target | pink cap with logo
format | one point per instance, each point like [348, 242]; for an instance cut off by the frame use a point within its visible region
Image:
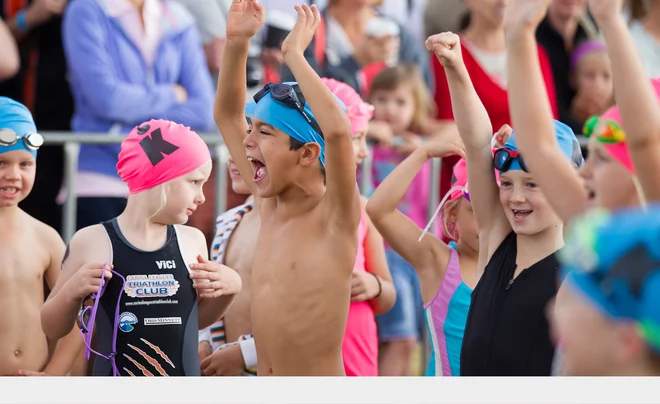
[159, 151]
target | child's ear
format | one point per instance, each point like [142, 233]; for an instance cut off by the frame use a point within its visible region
[309, 153]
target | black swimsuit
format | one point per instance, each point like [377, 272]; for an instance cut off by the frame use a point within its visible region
[157, 317]
[507, 331]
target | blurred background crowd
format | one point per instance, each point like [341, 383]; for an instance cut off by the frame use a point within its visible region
[104, 66]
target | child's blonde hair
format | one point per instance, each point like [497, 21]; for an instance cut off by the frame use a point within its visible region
[407, 74]
[158, 195]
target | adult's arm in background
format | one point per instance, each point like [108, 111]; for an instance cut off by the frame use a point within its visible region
[197, 110]
[211, 18]
[92, 69]
[10, 61]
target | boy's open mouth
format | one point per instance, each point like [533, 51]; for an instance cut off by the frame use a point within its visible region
[259, 169]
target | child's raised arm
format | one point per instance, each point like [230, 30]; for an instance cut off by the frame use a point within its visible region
[531, 114]
[476, 131]
[244, 20]
[634, 94]
[429, 256]
[341, 184]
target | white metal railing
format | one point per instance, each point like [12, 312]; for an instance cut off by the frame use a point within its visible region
[71, 143]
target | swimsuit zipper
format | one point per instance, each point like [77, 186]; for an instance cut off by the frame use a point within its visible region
[497, 323]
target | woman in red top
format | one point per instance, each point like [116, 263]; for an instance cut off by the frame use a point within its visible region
[484, 54]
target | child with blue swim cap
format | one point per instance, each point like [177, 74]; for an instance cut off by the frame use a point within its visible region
[299, 135]
[31, 252]
[506, 333]
[621, 171]
[608, 320]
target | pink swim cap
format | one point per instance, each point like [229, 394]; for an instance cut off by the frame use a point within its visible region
[358, 111]
[459, 178]
[619, 149]
[159, 151]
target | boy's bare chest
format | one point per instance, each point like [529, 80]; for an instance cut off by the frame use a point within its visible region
[23, 262]
[301, 251]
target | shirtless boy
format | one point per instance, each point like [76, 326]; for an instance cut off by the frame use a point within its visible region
[29, 251]
[301, 276]
[227, 347]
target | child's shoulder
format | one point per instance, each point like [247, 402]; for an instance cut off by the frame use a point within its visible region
[191, 233]
[89, 235]
[44, 233]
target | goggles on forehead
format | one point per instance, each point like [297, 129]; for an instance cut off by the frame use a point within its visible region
[32, 141]
[605, 130]
[290, 97]
[87, 318]
[448, 195]
[503, 158]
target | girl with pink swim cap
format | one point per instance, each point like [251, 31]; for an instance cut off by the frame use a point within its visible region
[142, 280]
[372, 291]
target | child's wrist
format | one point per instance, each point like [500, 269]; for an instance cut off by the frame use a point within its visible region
[292, 55]
[615, 21]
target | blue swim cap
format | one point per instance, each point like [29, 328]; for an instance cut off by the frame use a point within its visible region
[568, 144]
[288, 120]
[16, 117]
[614, 260]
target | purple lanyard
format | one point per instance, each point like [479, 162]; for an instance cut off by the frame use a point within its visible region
[87, 327]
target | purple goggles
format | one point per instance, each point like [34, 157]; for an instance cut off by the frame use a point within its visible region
[87, 318]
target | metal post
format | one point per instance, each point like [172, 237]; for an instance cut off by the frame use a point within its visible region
[69, 210]
[365, 173]
[221, 158]
[434, 188]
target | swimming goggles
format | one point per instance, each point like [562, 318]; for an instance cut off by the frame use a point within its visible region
[87, 318]
[32, 141]
[448, 195]
[290, 97]
[503, 158]
[605, 130]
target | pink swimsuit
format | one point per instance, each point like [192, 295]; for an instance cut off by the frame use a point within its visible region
[360, 348]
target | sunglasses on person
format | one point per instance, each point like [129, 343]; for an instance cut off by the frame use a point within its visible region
[503, 158]
[87, 319]
[290, 97]
[605, 130]
[32, 141]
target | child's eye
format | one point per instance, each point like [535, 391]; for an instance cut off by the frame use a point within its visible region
[26, 164]
[263, 132]
[531, 185]
[505, 184]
